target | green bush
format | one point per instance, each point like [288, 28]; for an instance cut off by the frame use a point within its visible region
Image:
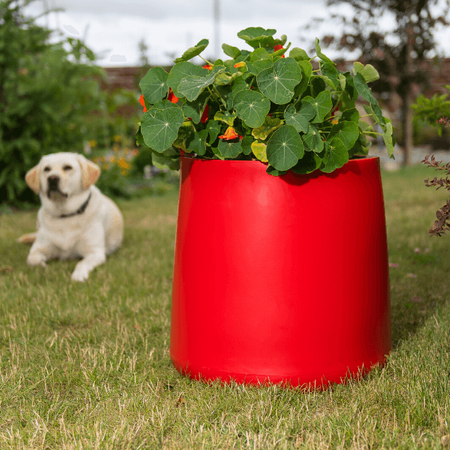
[51, 100]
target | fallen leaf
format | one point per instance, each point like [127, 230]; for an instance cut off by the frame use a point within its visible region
[416, 299]
[180, 401]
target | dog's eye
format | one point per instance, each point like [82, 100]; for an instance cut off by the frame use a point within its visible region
[47, 169]
[67, 168]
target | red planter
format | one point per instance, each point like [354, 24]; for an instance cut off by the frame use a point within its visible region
[280, 279]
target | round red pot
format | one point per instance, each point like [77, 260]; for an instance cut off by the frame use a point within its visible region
[280, 279]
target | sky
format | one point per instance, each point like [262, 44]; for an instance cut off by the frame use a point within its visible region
[113, 29]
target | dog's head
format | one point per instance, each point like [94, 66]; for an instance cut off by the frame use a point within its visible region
[60, 175]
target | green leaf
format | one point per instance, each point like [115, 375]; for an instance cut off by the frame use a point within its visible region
[259, 150]
[225, 117]
[185, 133]
[259, 65]
[167, 160]
[160, 129]
[257, 36]
[213, 128]
[306, 68]
[181, 71]
[198, 143]
[230, 149]
[388, 139]
[274, 172]
[350, 115]
[191, 87]
[270, 125]
[238, 86]
[299, 54]
[260, 54]
[375, 111]
[162, 105]
[231, 51]
[252, 107]
[368, 72]
[222, 79]
[336, 155]
[193, 51]
[278, 83]
[246, 144]
[347, 132]
[308, 164]
[363, 90]
[330, 71]
[321, 55]
[195, 109]
[154, 85]
[313, 141]
[285, 148]
[322, 105]
[300, 119]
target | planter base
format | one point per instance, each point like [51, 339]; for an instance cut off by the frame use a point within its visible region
[280, 279]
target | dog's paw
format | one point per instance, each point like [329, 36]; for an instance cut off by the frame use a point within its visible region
[36, 259]
[80, 274]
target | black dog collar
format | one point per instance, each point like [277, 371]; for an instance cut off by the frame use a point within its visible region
[80, 210]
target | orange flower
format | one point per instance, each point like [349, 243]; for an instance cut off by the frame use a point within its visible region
[230, 134]
[141, 101]
[172, 97]
[239, 65]
[208, 66]
[278, 47]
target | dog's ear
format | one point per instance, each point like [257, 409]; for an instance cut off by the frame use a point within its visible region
[89, 172]
[33, 178]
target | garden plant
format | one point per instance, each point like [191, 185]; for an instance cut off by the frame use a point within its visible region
[288, 110]
[435, 111]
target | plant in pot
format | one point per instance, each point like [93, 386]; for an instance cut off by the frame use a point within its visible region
[244, 107]
[280, 269]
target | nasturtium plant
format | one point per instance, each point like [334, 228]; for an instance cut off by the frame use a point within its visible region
[284, 108]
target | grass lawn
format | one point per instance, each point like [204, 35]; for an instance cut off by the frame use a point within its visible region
[87, 366]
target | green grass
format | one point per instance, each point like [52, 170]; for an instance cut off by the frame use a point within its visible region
[87, 366]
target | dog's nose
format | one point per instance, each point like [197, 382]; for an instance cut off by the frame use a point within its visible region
[53, 181]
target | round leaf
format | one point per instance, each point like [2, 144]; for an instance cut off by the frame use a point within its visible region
[193, 51]
[231, 51]
[183, 70]
[198, 143]
[268, 127]
[191, 87]
[230, 149]
[313, 141]
[285, 148]
[309, 163]
[154, 85]
[160, 129]
[251, 107]
[336, 155]
[278, 83]
[300, 119]
[322, 105]
[259, 150]
[347, 132]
